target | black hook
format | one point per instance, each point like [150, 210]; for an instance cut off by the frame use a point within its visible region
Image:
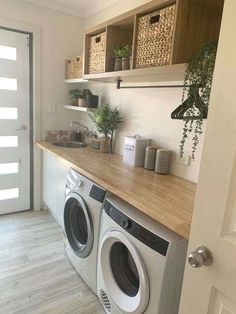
[194, 99]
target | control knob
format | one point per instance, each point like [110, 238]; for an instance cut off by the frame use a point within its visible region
[79, 183]
[126, 223]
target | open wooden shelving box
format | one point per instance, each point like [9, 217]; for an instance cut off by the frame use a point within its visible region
[197, 22]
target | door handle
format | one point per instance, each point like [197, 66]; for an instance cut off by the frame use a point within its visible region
[22, 128]
[202, 256]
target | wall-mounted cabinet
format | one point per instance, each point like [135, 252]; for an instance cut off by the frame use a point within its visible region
[163, 33]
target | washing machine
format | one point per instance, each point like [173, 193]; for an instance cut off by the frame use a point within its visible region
[140, 262]
[82, 213]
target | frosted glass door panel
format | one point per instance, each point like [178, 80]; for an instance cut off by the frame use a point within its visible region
[8, 53]
[8, 113]
[8, 83]
[9, 194]
[9, 168]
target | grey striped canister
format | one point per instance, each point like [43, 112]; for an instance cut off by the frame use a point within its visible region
[150, 157]
[162, 161]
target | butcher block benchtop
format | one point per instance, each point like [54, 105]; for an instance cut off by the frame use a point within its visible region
[166, 198]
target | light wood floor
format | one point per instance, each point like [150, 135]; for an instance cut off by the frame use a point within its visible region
[35, 275]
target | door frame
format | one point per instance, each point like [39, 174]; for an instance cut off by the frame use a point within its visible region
[35, 113]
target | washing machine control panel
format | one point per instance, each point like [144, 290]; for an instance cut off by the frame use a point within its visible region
[78, 183]
[144, 235]
[126, 223]
[97, 193]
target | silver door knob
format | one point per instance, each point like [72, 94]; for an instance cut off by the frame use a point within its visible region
[202, 256]
[22, 128]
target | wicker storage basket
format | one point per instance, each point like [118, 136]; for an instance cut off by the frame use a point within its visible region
[78, 67]
[69, 69]
[97, 50]
[154, 38]
[74, 67]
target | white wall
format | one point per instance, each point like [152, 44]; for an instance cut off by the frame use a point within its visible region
[146, 111]
[61, 37]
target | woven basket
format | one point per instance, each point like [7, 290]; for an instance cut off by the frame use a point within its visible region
[74, 67]
[78, 66]
[97, 50]
[154, 38]
[69, 69]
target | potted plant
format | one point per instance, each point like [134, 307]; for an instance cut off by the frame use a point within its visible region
[126, 57]
[122, 56]
[83, 98]
[107, 120]
[196, 93]
[74, 95]
[117, 56]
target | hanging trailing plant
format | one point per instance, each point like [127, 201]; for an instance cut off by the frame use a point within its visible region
[197, 89]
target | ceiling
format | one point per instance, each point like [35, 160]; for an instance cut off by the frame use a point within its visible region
[81, 8]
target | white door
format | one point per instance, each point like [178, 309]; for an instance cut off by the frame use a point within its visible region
[14, 122]
[212, 289]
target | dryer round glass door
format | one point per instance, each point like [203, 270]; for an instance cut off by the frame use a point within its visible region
[78, 225]
[124, 273]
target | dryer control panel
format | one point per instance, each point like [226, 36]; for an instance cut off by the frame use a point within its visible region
[150, 239]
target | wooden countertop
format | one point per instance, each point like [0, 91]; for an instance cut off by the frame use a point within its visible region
[166, 198]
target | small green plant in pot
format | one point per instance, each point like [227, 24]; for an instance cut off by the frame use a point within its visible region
[75, 94]
[117, 56]
[107, 120]
[79, 97]
[126, 57]
[122, 56]
[83, 99]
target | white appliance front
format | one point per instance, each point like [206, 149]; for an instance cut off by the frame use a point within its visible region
[140, 262]
[82, 213]
[124, 272]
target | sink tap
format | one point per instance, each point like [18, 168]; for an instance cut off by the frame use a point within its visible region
[85, 134]
[81, 125]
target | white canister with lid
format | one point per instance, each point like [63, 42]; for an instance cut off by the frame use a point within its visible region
[134, 151]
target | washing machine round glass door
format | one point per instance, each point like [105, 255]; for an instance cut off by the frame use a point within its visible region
[124, 273]
[78, 224]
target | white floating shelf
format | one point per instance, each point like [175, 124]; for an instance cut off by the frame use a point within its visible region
[163, 73]
[76, 80]
[83, 109]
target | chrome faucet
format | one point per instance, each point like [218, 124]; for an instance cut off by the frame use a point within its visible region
[81, 125]
[87, 134]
